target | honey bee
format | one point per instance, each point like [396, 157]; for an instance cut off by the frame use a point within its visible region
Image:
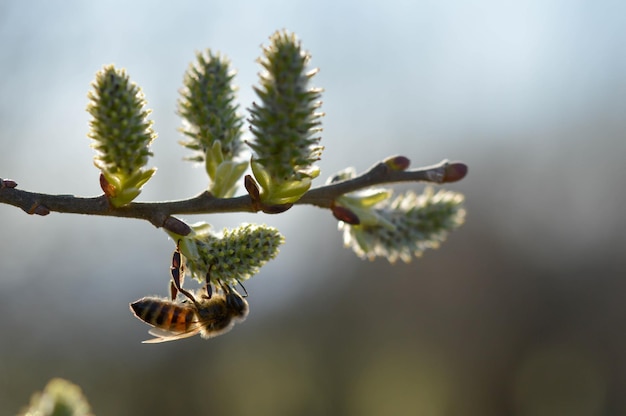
[212, 315]
[208, 316]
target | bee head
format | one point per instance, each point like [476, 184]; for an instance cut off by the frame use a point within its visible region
[236, 304]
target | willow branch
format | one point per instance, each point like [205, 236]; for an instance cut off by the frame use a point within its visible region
[159, 213]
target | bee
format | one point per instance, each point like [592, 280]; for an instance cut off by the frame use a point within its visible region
[208, 314]
[208, 317]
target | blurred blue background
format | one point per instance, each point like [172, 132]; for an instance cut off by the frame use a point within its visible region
[521, 312]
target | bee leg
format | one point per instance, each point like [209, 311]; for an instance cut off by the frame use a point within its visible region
[189, 295]
[209, 288]
[173, 290]
[178, 274]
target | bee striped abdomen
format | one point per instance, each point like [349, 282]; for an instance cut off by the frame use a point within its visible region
[164, 314]
[207, 316]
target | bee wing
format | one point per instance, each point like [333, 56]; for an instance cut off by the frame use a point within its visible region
[161, 335]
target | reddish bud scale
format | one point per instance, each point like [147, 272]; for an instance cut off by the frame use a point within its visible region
[107, 188]
[455, 172]
[176, 226]
[253, 191]
[275, 209]
[345, 215]
[39, 209]
[397, 162]
[7, 183]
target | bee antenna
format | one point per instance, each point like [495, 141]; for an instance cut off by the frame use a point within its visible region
[244, 289]
[209, 291]
[229, 289]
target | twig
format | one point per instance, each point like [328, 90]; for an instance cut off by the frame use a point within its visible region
[160, 213]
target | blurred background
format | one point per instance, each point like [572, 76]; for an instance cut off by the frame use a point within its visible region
[520, 312]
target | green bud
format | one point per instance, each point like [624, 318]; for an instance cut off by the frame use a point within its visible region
[286, 122]
[406, 226]
[208, 109]
[231, 256]
[121, 133]
[59, 398]
[211, 122]
[366, 198]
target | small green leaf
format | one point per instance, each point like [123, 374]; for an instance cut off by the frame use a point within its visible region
[261, 174]
[227, 175]
[367, 198]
